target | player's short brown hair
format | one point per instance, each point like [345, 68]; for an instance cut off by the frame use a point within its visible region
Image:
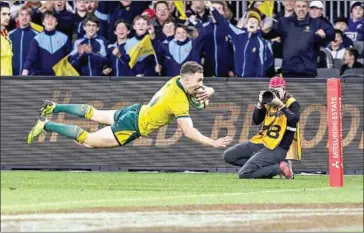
[191, 67]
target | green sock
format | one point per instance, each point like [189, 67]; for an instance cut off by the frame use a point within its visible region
[70, 131]
[81, 110]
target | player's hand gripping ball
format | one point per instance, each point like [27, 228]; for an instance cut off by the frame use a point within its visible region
[199, 105]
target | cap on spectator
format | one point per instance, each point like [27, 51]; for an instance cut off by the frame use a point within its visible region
[317, 4]
[341, 19]
[149, 12]
[277, 82]
[254, 14]
[356, 3]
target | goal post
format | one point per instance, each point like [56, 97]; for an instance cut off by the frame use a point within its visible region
[334, 122]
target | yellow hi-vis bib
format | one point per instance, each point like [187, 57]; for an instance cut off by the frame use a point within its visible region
[273, 129]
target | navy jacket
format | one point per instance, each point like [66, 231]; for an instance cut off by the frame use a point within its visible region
[217, 50]
[249, 49]
[78, 26]
[103, 12]
[36, 16]
[348, 43]
[172, 55]
[90, 64]
[118, 66]
[161, 38]
[300, 43]
[46, 50]
[355, 30]
[65, 22]
[21, 39]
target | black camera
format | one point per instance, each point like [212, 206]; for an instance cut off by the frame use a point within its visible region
[268, 96]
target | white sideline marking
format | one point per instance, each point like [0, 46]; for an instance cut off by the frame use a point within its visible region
[156, 198]
[114, 220]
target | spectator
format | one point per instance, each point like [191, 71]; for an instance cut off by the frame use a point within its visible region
[316, 12]
[356, 23]
[316, 9]
[79, 17]
[65, 18]
[6, 54]
[168, 31]
[173, 12]
[145, 65]
[89, 53]
[172, 9]
[341, 23]
[91, 6]
[162, 14]
[21, 39]
[217, 48]
[248, 44]
[14, 7]
[300, 55]
[37, 9]
[287, 11]
[118, 66]
[179, 51]
[199, 14]
[198, 8]
[351, 60]
[337, 48]
[47, 48]
[126, 10]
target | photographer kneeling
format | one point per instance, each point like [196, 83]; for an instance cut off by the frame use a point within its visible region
[264, 155]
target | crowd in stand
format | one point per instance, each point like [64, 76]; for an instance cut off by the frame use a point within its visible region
[97, 36]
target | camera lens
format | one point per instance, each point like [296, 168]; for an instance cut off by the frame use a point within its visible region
[267, 97]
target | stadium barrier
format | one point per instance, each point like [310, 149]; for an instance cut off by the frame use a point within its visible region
[229, 113]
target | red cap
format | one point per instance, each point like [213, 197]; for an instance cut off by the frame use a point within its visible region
[149, 12]
[277, 82]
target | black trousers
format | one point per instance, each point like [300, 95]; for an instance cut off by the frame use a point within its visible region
[256, 161]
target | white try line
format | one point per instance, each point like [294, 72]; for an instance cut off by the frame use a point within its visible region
[141, 199]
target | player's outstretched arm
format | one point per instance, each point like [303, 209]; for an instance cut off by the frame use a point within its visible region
[189, 131]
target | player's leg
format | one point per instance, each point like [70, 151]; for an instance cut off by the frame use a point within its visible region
[239, 154]
[103, 138]
[70, 131]
[105, 117]
[264, 164]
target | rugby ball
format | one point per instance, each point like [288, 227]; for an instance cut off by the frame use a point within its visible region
[199, 105]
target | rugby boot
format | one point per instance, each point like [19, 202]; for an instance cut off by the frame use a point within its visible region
[37, 130]
[47, 108]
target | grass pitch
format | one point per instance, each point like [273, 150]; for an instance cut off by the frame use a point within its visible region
[35, 192]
